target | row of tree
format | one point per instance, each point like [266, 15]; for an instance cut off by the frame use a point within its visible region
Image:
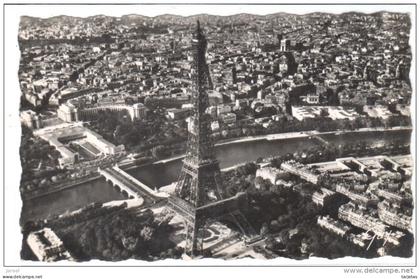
[121, 234]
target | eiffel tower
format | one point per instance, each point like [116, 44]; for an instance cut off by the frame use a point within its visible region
[199, 194]
[200, 181]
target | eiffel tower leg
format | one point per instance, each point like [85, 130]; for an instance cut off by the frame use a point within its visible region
[187, 237]
[195, 238]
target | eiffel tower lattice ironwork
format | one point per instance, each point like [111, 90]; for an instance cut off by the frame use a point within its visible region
[199, 194]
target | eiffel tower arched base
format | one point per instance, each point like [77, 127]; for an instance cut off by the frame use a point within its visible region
[196, 220]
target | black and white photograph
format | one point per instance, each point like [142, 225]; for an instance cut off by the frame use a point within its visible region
[233, 134]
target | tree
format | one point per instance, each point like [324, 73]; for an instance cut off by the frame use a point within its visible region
[274, 225]
[147, 233]
[264, 229]
[130, 242]
[158, 151]
[324, 113]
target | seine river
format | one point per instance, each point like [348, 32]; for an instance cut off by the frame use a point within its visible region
[158, 175]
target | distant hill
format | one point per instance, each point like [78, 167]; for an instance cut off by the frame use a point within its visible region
[167, 19]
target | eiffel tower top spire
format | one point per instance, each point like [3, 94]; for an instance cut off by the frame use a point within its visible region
[199, 32]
